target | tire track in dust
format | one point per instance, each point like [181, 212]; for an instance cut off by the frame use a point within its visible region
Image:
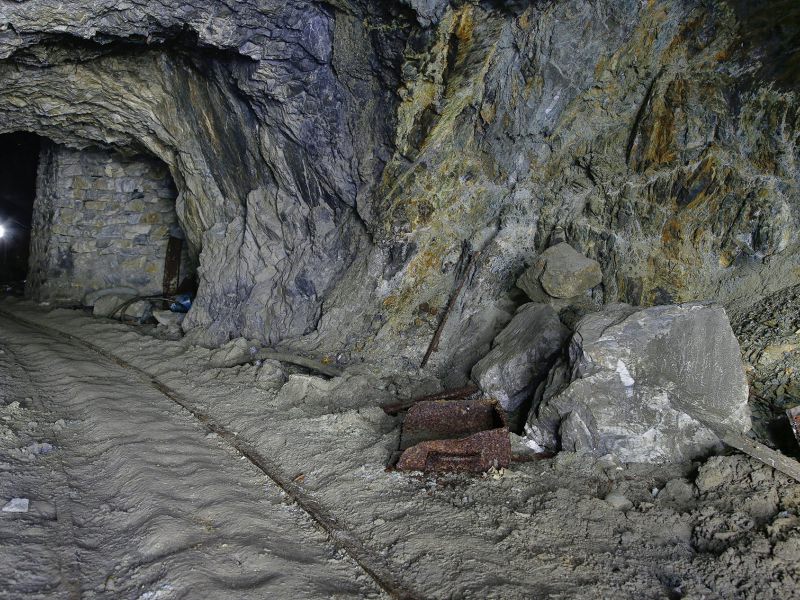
[371, 562]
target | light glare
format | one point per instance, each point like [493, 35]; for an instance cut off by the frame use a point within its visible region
[2, 232]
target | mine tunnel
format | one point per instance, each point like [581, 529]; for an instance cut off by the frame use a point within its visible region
[425, 299]
[78, 222]
[19, 160]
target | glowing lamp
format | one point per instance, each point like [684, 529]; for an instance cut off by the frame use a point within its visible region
[2, 232]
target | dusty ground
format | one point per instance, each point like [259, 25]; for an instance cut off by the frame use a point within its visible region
[136, 500]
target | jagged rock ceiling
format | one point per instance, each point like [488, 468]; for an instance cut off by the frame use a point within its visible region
[333, 158]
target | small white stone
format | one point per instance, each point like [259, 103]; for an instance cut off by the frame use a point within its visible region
[16, 505]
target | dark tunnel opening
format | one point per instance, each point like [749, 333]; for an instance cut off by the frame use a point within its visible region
[77, 222]
[19, 161]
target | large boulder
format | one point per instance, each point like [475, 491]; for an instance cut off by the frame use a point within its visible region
[652, 385]
[521, 355]
[560, 272]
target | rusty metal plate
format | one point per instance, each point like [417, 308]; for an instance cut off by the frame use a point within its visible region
[457, 394]
[448, 419]
[475, 454]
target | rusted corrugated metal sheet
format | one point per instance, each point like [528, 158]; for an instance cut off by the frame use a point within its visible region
[475, 454]
[448, 419]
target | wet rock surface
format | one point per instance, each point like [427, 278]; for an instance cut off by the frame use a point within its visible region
[645, 385]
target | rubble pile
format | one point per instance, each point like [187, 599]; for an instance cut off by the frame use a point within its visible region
[769, 333]
[655, 385]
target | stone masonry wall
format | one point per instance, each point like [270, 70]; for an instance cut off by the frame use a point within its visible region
[100, 220]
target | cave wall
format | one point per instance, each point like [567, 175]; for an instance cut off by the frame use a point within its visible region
[100, 220]
[274, 118]
[338, 162]
[662, 136]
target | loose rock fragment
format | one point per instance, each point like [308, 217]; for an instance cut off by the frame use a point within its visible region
[107, 304]
[619, 501]
[168, 318]
[115, 305]
[16, 505]
[560, 272]
[522, 355]
[91, 298]
[642, 385]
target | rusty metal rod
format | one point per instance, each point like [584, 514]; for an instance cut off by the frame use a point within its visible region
[459, 284]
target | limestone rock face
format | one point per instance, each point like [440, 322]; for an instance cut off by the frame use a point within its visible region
[562, 272]
[648, 385]
[522, 355]
[274, 118]
[338, 163]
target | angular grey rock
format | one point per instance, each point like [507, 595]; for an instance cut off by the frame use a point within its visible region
[521, 355]
[106, 305]
[561, 272]
[619, 501]
[645, 385]
[139, 310]
[16, 505]
[233, 352]
[271, 374]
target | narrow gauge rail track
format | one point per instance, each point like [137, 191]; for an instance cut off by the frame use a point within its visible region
[371, 562]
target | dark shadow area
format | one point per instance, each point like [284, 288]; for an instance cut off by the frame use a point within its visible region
[19, 159]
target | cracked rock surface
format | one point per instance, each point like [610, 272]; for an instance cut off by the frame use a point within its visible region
[333, 158]
[652, 385]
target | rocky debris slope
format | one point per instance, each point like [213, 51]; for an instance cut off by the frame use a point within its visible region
[645, 385]
[769, 333]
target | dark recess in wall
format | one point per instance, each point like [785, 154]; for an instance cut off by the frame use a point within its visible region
[19, 159]
[770, 34]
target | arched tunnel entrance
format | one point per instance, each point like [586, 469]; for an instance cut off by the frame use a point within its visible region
[19, 159]
[81, 221]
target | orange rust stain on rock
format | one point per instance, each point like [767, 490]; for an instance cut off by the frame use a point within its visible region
[672, 238]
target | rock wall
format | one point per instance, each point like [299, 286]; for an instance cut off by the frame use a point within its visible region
[339, 164]
[274, 117]
[100, 221]
[661, 136]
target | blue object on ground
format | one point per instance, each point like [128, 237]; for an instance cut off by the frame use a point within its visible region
[182, 303]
